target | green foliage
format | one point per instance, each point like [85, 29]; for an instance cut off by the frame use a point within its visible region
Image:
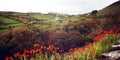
[7, 20]
[43, 17]
[4, 30]
[14, 25]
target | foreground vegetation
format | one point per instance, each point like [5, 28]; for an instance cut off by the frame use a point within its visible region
[89, 52]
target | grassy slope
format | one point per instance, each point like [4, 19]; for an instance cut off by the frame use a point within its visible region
[110, 10]
[7, 20]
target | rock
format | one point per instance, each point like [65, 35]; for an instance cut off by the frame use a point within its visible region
[105, 58]
[115, 45]
[114, 48]
[118, 42]
[113, 54]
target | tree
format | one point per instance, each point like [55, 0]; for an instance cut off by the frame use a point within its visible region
[93, 14]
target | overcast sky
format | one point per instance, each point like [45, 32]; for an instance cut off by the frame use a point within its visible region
[61, 6]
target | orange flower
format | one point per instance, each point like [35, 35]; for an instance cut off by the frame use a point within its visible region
[36, 45]
[57, 48]
[8, 58]
[38, 50]
[71, 49]
[24, 55]
[107, 41]
[31, 51]
[42, 47]
[26, 51]
[48, 48]
[111, 31]
[81, 50]
[93, 52]
[16, 54]
[89, 46]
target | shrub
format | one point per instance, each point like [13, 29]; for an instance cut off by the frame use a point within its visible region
[65, 40]
[20, 38]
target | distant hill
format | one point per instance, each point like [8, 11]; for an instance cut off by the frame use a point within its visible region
[113, 9]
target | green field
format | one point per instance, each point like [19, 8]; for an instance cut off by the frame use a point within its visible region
[6, 23]
[14, 25]
[7, 20]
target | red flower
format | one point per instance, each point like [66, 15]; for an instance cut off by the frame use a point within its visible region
[16, 55]
[42, 47]
[31, 51]
[38, 51]
[71, 49]
[26, 51]
[36, 45]
[24, 55]
[8, 58]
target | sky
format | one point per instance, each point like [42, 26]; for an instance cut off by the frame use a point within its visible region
[61, 6]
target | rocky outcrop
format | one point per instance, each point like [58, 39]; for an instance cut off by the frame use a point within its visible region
[113, 54]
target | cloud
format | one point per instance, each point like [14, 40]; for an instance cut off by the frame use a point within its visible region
[62, 6]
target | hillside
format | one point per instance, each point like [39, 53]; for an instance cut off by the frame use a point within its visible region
[10, 20]
[112, 9]
[57, 36]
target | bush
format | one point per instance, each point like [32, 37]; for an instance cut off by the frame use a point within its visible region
[20, 38]
[65, 40]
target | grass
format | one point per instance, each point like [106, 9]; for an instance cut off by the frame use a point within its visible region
[39, 17]
[4, 30]
[14, 25]
[36, 25]
[7, 20]
[43, 17]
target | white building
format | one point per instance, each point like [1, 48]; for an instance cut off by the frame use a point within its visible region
[58, 17]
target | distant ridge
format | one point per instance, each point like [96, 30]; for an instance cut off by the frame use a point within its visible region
[112, 9]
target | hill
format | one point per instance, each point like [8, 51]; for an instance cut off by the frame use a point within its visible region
[113, 9]
[42, 37]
